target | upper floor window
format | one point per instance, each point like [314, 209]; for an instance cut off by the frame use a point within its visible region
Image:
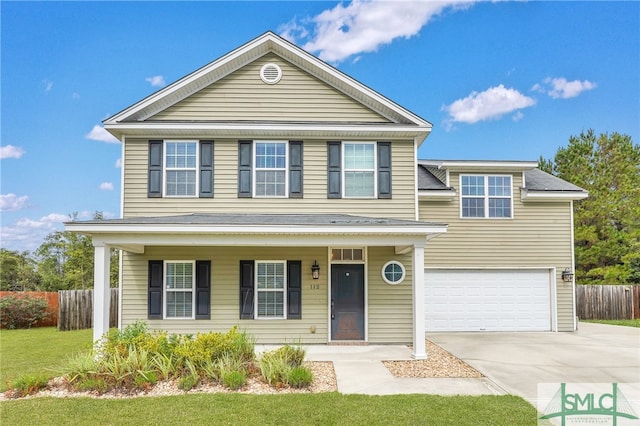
[359, 169]
[180, 168]
[271, 169]
[486, 196]
[180, 164]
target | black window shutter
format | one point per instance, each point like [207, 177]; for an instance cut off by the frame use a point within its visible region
[384, 169]
[294, 289]
[154, 188]
[154, 299]
[206, 169]
[245, 154]
[334, 170]
[246, 289]
[203, 289]
[295, 169]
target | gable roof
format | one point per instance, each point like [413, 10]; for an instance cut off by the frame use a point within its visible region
[132, 119]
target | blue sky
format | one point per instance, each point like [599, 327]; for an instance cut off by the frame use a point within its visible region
[504, 80]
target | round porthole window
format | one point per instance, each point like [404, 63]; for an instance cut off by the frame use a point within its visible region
[270, 73]
[393, 272]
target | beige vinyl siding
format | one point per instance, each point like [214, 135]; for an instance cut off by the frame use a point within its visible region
[243, 95]
[136, 202]
[538, 236]
[225, 273]
[390, 309]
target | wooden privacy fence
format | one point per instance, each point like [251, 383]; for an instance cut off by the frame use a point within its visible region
[75, 309]
[608, 302]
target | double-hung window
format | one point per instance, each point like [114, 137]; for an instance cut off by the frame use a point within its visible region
[180, 167]
[270, 169]
[486, 196]
[270, 289]
[359, 169]
[179, 288]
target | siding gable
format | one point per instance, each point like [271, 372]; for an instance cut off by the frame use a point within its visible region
[242, 95]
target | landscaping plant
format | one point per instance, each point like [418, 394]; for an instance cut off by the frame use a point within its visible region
[22, 310]
[136, 359]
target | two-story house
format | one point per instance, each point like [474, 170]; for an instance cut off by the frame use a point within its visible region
[269, 190]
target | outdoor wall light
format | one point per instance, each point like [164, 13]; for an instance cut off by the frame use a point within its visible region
[567, 275]
[315, 270]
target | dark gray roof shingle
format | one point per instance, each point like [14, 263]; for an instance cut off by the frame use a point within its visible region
[537, 180]
[262, 220]
[428, 180]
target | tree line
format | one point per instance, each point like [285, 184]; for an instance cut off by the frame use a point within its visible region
[64, 261]
[606, 224]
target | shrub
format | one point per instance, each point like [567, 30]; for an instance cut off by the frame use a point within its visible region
[97, 385]
[82, 367]
[22, 311]
[292, 355]
[274, 369]
[234, 379]
[28, 384]
[283, 366]
[299, 377]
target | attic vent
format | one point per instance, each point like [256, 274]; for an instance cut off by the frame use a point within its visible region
[270, 73]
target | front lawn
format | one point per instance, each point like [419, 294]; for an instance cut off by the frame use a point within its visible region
[47, 350]
[38, 350]
[625, 323]
[285, 409]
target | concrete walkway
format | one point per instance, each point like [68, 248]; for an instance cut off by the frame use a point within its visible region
[359, 370]
[513, 363]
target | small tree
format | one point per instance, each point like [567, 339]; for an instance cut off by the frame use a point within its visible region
[607, 224]
[17, 271]
[66, 260]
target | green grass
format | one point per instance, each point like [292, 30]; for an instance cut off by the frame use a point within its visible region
[37, 351]
[626, 323]
[286, 409]
[26, 352]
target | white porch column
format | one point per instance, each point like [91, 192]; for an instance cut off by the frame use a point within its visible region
[417, 266]
[101, 290]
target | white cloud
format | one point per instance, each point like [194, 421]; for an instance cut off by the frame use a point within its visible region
[98, 133]
[364, 25]
[156, 81]
[492, 103]
[28, 234]
[48, 85]
[10, 151]
[75, 95]
[106, 186]
[560, 88]
[118, 163]
[12, 203]
[517, 116]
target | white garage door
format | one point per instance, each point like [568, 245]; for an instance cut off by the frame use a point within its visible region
[487, 300]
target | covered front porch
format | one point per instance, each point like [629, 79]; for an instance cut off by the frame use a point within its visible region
[233, 252]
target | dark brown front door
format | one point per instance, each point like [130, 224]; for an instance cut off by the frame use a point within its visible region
[347, 302]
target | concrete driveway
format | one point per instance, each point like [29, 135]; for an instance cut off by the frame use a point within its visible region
[517, 362]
